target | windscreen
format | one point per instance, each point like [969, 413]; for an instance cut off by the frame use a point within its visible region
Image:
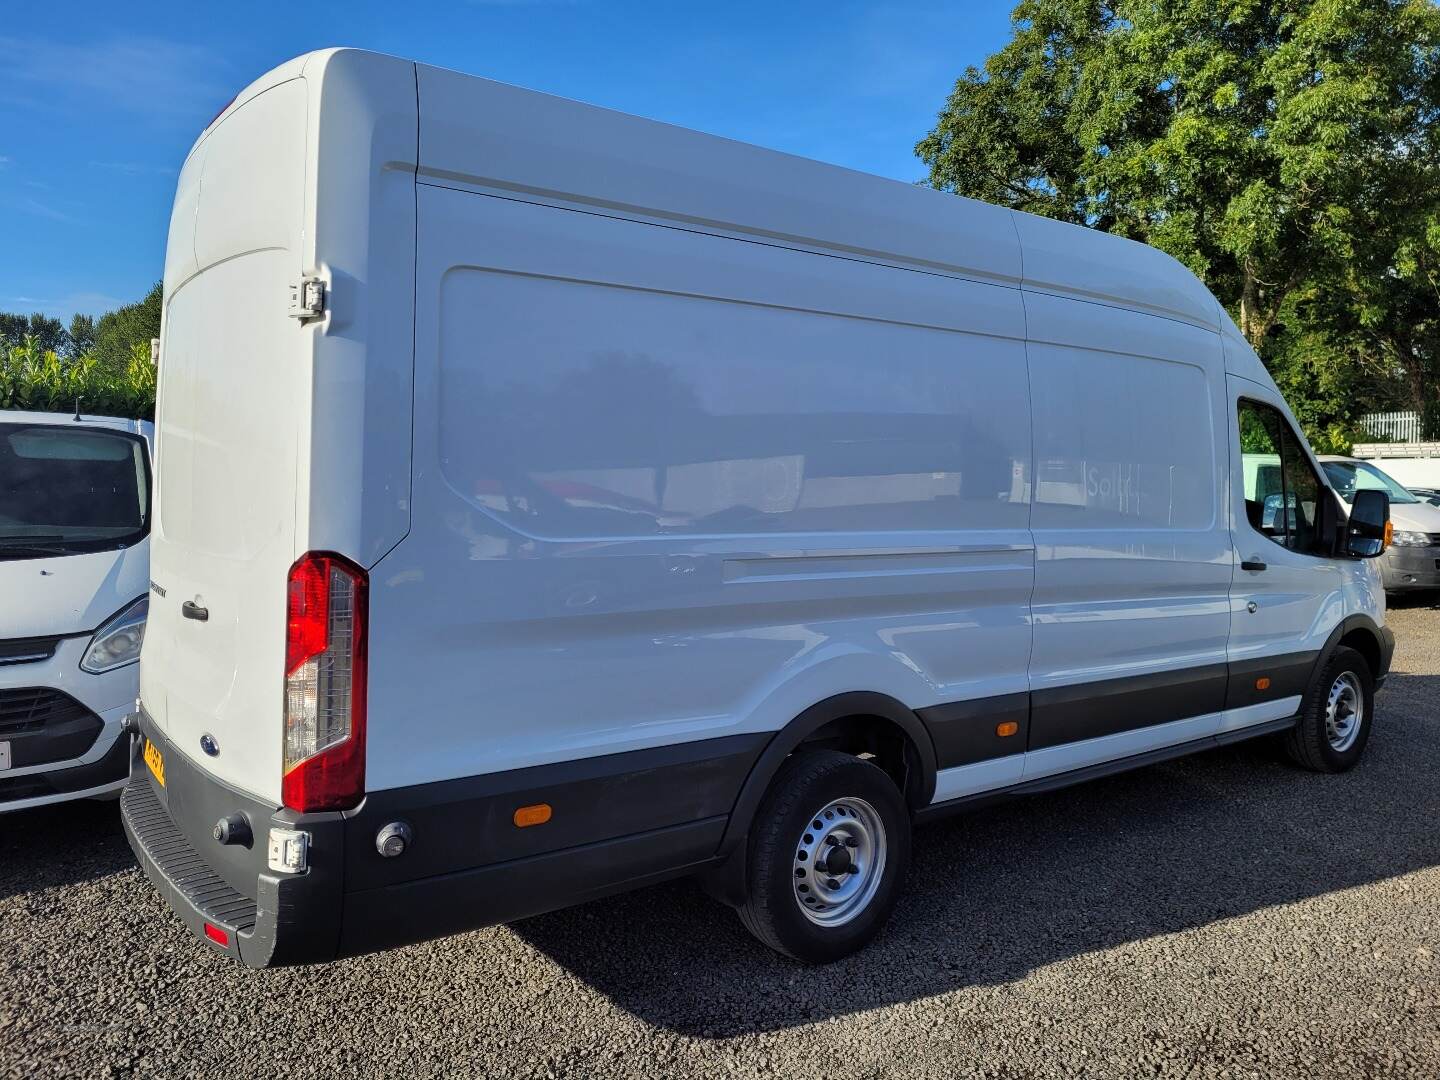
[68, 490]
[1348, 477]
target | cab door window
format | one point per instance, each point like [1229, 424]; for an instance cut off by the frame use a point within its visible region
[1282, 489]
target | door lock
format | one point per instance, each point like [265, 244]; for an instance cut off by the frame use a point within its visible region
[1252, 607]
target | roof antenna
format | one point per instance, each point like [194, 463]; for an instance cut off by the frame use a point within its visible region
[77, 410]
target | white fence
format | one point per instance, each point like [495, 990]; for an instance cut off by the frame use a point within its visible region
[1393, 426]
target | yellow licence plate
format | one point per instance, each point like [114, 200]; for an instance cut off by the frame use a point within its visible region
[155, 760]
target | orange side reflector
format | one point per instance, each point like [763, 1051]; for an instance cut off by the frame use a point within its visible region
[1009, 727]
[1262, 683]
[532, 815]
[1389, 532]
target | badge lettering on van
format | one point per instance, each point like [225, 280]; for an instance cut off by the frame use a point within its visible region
[156, 589]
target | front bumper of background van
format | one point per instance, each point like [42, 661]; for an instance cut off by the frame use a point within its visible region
[63, 727]
[1411, 568]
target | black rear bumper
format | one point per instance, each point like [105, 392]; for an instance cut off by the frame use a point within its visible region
[267, 918]
[470, 866]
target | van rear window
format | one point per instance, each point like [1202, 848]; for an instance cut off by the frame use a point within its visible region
[65, 490]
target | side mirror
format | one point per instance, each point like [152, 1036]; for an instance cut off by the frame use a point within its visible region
[1368, 531]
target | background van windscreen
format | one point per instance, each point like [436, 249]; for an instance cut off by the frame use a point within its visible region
[71, 489]
[1348, 477]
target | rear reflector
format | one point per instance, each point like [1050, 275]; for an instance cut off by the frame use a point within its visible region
[324, 750]
[215, 934]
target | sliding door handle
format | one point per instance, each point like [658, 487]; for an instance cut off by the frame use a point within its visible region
[1252, 564]
[192, 610]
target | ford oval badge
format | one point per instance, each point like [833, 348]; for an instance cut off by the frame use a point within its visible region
[209, 745]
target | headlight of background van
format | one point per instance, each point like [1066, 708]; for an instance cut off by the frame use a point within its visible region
[1410, 539]
[118, 641]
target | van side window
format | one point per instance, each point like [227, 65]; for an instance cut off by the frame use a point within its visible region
[1282, 490]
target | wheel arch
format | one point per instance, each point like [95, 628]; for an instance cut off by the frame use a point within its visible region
[841, 718]
[1365, 636]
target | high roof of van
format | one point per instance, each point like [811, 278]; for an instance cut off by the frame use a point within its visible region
[478, 134]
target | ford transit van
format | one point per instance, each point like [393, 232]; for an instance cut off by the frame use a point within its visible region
[553, 502]
[74, 561]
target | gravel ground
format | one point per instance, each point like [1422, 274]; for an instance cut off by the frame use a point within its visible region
[1224, 915]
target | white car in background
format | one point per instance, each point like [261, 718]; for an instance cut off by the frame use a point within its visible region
[74, 575]
[1413, 559]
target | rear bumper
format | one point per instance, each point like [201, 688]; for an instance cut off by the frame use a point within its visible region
[352, 901]
[269, 919]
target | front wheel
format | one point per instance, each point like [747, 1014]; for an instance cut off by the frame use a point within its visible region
[1335, 717]
[827, 856]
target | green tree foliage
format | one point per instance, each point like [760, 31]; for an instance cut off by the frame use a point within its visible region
[1287, 151]
[39, 379]
[117, 333]
[104, 363]
[48, 333]
[82, 336]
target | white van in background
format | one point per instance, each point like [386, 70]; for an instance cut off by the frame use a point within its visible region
[1412, 560]
[555, 501]
[74, 563]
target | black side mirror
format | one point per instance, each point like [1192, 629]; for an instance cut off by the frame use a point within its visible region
[1369, 527]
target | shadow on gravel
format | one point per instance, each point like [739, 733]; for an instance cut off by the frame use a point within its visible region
[993, 895]
[61, 845]
[1422, 600]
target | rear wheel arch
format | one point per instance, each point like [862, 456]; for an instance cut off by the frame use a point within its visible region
[856, 722]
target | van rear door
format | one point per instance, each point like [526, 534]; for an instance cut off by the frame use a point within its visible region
[234, 390]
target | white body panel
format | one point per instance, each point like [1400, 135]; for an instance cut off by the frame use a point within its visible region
[649, 437]
[71, 596]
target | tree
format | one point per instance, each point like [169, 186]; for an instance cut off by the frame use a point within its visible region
[1285, 151]
[47, 334]
[81, 336]
[119, 332]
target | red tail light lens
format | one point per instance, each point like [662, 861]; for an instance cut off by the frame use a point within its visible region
[324, 752]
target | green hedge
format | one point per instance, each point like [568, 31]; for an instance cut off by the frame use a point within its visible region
[38, 379]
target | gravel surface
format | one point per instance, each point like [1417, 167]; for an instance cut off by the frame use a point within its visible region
[1224, 915]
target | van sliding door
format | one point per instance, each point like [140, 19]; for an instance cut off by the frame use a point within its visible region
[1132, 549]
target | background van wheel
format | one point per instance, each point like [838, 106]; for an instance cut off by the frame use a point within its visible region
[1335, 716]
[828, 851]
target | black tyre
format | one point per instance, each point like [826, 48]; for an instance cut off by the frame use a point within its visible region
[828, 852]
[1335, 717]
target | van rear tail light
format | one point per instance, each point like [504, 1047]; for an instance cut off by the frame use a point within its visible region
[324, 754]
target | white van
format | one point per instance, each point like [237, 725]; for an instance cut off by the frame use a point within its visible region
[1413, 559]
[553, 501]
[74, 558]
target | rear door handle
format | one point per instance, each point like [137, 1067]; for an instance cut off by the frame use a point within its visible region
[192, 610]
[1252, 564]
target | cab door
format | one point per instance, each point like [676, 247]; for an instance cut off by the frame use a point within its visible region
[1287, 592]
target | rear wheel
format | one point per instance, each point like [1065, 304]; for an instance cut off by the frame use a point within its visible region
[827, 855]
[1335, 717]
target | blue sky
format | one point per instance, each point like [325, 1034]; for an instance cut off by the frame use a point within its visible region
[100, 101]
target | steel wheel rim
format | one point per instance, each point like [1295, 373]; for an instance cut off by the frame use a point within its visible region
[1344, 711]
[839, 861]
